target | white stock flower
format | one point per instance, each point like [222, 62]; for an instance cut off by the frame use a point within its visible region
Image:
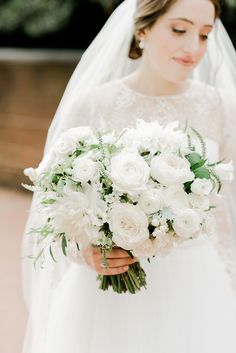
[201, 186]
[129, 225]
[151, 201]
[84, 169]
[146, 249]
[186, 223]
[129, 172]
[32, 174]
[169, 169]
[48, 161]
[225, 171]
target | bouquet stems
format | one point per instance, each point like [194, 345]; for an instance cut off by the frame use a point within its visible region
[131, 281]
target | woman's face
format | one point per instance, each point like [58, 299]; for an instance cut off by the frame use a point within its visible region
[177, 41]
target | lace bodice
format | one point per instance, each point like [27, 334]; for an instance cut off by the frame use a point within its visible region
[115, 105]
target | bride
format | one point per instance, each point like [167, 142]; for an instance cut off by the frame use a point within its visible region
[154, 59]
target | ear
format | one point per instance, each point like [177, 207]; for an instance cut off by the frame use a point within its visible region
[141, 34]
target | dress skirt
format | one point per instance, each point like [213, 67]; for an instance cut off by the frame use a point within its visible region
[188, 307]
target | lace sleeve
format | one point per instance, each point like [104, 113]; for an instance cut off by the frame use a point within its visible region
[225, 214]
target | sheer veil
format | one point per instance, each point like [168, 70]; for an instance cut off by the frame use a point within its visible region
[107, 59]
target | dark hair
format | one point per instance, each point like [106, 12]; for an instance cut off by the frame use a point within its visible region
[147, 13]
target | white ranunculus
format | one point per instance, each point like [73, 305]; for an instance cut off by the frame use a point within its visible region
[186, 223]
[176, 198]
[225, 171]
[129, 225]
[201, 186]
[199, 201]
[169, 169]
[151, 201]
[84, 169]
[129, 172]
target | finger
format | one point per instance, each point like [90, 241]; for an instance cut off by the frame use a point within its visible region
[118, 253]
[120, 262]
[113, 271]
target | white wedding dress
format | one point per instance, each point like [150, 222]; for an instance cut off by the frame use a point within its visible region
[189, 305]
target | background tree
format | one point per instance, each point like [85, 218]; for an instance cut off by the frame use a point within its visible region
[52, 23]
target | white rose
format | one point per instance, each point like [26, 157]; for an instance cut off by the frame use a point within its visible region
[151, 201]
[199, 201]
[84, 169]
[68, 141]
[186, 223]
[129, 225]
[129, 172]
[225, 171]
[169, 169]
[201, 186]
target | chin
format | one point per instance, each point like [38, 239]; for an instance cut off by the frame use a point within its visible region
[179, 78]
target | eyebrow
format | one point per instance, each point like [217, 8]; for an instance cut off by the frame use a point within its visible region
[188, 21]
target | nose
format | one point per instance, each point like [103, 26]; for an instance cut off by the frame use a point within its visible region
[192, 45]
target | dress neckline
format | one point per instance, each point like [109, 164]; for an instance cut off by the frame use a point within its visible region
[143, 95]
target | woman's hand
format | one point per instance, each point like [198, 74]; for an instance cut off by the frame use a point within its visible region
[118, 260]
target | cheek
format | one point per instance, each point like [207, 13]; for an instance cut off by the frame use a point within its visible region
[202, 51]
[163, 46]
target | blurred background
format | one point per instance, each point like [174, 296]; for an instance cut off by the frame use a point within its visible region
[41, 42]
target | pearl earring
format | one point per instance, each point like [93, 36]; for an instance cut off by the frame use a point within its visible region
[142, 44]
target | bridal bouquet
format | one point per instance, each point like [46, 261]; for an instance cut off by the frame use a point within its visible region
[144, 189]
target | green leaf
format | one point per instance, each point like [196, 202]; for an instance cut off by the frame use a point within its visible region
[48, 202]
[194, 158]
[64, 245]
[55, 178]
[51, 253]
[202, 173]
[198, 165]
[187, 187]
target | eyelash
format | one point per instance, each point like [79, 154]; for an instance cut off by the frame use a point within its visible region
[180, 31]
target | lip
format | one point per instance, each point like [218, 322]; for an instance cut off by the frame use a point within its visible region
[184, 62]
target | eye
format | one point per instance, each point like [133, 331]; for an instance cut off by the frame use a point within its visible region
[204, 37]
[179, 31]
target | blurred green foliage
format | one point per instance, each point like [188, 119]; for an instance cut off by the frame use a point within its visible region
[231, 3]
[38, 17]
